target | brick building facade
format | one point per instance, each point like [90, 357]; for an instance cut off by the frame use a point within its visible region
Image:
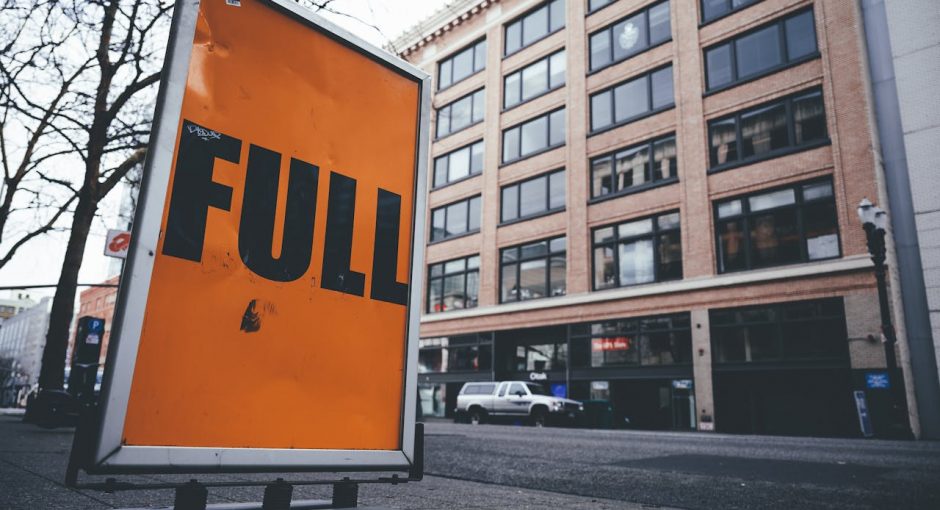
[661, 214]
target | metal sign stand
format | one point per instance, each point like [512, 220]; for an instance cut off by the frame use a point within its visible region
[193, 495]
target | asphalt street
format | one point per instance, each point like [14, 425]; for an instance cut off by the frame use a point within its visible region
[504, 466]
[692, 470]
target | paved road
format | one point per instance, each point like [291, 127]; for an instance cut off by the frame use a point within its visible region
[692, 470]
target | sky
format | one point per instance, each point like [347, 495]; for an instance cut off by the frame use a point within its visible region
[39, 262]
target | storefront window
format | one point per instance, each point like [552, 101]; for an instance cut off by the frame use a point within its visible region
[433, 399]
[462, 353]
[784, 331]
[663, 340]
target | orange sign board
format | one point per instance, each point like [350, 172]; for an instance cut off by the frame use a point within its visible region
[279, 308]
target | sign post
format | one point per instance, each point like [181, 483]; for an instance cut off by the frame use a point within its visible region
[269, 315]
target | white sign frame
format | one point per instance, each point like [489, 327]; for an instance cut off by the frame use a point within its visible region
[109, 454]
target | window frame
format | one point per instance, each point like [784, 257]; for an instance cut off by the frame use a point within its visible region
[435, 186]
[791, 147]
[472, 47]
[648, 77]
[589, 11]
[520, 19]
[465, 200]
[732, 10]
[550, 89]
[548, 126]
[645, 11]
[443, 276]
[517, 263]
[731, 43]
[437, 113]
[650, 144]
[798, 205]
[518, 185]
[616, 240]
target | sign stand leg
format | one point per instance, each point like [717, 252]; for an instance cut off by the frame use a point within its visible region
[277, 496]
[345, 495]
[191, 496]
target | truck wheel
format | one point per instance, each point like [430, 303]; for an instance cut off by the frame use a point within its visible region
[539, 418]
[476, 417]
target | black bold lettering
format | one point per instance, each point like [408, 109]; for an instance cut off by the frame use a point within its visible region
[337, 249]
[385, 286]
[194, 191]
[256, 231]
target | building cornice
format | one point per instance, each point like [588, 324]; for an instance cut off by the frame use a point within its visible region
[436, 25]
[852, 263]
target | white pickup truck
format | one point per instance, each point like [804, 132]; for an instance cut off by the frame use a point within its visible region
[479, 401]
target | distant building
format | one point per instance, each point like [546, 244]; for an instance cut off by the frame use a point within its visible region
[652, 203]
[97, 302]
[22, 339]
[14, 304]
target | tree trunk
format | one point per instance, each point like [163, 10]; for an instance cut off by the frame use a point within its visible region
[52, 375]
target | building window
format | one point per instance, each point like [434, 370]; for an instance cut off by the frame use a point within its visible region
[630, 36]
[798, 330]
[772, 228]
[534, 136]
[461, 353]
[648, 341]
[462, 113]
[636, 252]
[638, 167]
[794, 123]
[535, 79]
[535, 25]
[630, 100]
[714, 9]
[533, 270]
[455, 219]
[783, 43]
[533, 349]
[533, 197]
[454, 285]
[461, 65]
[594, 5]
[459, 164]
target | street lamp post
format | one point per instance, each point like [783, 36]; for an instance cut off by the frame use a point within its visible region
[874, 220]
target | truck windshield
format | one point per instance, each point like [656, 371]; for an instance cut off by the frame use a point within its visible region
[537, 389]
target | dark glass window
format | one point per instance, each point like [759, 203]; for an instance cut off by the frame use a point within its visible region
[632, 99]
[782, 226]
[533, 270]
[769, 48]
[458, 164]
[534, 79]
[768, 130]
[460, 114]
[648, 341]
[455, 219]
[638, 251]
[629, 36]
[534, 135]
[454, 284]
[533, 196]
[594, 5]
[535, 25]
[784, 331]
[460, 353]
[713, 9]
[461, 65]
[533, 349]
[635, 167]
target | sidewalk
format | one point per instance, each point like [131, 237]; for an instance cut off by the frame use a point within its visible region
[33, 461]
